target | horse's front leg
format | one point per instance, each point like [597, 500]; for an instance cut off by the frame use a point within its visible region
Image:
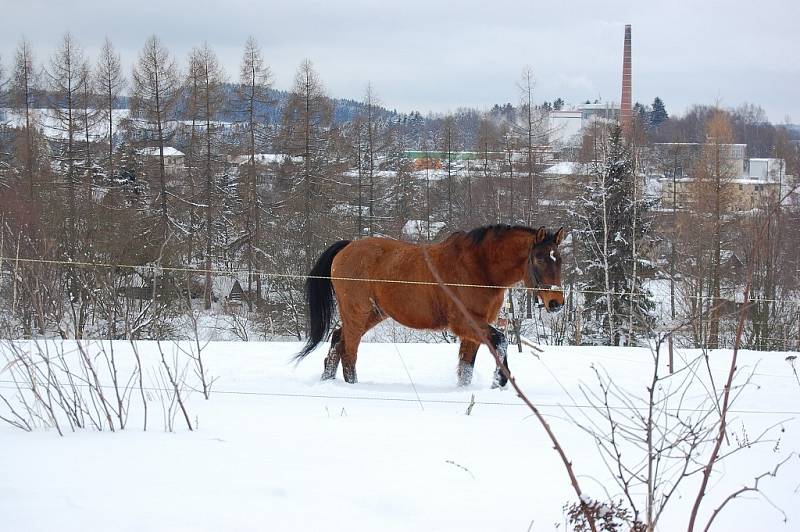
[466, 361]
[500, 344]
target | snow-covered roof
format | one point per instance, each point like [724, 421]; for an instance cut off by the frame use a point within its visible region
[566, 168]
[169, 151]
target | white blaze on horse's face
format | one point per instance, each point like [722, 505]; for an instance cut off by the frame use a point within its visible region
[545, 274]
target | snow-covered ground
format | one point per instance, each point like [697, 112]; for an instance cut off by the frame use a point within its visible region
[48, 123]
[275, 449]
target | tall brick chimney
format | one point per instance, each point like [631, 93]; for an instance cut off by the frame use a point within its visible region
[625, 108]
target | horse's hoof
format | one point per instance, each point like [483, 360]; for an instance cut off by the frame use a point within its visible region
[499, 383]
[350, 375]
[464, 374]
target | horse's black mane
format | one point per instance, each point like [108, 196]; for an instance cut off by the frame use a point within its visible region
[477, 235]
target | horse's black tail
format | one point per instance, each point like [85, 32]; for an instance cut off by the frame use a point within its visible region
[319, 296]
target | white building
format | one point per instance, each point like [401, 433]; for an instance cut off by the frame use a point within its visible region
[565, 126]
[174, 159]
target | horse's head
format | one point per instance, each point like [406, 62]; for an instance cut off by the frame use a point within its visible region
[544, 268]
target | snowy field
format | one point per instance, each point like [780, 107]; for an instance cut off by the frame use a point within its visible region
[275, 449]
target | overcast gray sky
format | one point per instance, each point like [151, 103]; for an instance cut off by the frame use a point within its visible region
[436, 55]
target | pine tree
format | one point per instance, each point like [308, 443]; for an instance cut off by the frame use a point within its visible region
[614, 230]
[659, 113]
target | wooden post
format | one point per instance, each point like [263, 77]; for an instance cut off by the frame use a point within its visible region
[16, 276]
[2, 245]
[671, 359]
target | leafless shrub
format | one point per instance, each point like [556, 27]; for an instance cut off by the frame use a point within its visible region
[68, 387]
[140, 382]
[173, 380]
[122, 390]
[652, 445]
[195, 354]
[609, 517]
[238, 325]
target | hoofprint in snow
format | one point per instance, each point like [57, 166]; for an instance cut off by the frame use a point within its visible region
[275, 449]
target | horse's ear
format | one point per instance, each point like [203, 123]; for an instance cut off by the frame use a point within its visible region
[559, 235]
[540, 234]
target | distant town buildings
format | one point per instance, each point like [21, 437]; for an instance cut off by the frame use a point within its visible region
[566, 125]
[746, 183]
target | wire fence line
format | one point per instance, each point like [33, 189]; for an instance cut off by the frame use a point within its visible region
[7, 385]
[298, 276]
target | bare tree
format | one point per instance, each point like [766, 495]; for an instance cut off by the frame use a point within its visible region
[307, 118]
[205, 67]
[156, 87]
[67, 78]
[109, 82]
[447, 138]
[22, 90]
[255, 81]
[88, 114]
[709, 218]
[528, 130]
[370, 103]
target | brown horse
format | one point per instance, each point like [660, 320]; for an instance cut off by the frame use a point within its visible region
[376, 278]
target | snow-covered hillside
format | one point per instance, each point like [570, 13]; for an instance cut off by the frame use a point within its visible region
[275, 449]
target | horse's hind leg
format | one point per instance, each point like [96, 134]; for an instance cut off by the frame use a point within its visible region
[466, 361]
[351, 336]
[500, 344]
[334, 355]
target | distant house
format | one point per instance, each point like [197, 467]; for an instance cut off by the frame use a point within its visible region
[237, 293]
[174, 159]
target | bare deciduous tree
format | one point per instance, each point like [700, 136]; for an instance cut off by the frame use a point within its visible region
[255, 81]
[22, 90]
[307, 118]
[156, 87]
[207, 84]
[109, 82]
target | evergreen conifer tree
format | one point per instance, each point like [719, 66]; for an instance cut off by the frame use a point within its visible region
[617, 307]
[659, 113]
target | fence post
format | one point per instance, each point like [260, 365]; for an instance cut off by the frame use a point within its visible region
[671, 359]
[16, 275]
